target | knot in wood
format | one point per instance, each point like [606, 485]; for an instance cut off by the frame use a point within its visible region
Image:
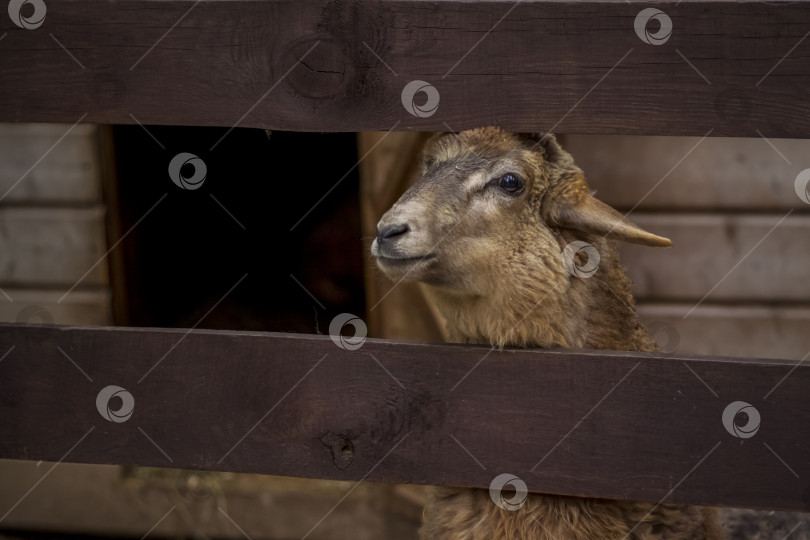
[340, 447]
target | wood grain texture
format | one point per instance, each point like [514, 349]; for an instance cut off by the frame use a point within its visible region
[607, 424]
[320, 65]
[52, 247]
[669, 173]
[729, 257]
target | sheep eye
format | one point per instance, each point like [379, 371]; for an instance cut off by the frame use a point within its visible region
[510, 182]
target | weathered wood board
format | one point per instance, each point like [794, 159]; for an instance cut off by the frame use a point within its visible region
[49, 163]
[729, 257]
[321, 65]
[53, 247]
[588, 423]
[687, 173]
[752, 330]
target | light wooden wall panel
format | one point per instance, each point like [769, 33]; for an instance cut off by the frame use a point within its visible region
[50, 163]
[99, 500]
[751, 330]
[52, 246]
[707, 247]
[52, 225]
[80, 307]
[687, 173]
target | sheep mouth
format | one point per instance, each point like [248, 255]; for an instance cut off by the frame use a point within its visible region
[404, 261]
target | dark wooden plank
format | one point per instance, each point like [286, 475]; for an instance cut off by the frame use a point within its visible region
[320, 65]
[607, 424]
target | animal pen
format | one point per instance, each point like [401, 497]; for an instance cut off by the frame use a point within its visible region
[345, 408]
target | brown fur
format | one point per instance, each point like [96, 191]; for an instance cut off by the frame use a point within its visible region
[469, 514]
[493, 265]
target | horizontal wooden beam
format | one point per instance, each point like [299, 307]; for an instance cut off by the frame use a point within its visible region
[706, 246]
[726, 68]
[718, 174]
[588, 423]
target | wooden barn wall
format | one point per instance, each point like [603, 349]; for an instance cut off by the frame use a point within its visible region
[52, 234]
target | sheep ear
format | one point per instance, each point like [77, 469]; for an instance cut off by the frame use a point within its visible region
[593, 216]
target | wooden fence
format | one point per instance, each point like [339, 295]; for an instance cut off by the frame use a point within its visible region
[638, 426]
[605, 424]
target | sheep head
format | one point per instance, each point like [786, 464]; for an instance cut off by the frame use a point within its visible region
[484, 197]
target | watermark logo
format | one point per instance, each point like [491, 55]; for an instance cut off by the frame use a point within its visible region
[429, 107]
[197, 486]
[180, 171]
[802, 185]
[516, 501]
[751, 426]
[642, 23]
[34, 312]
[32, 21]
[573, 255]
[665, 335]
[349, 343]
[103, 404]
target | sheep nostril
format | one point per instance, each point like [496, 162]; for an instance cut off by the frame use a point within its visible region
[388, 233]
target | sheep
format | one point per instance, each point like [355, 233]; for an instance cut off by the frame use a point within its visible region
[485, 229]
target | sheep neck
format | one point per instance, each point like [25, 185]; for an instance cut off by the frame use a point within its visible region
[549, 308]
